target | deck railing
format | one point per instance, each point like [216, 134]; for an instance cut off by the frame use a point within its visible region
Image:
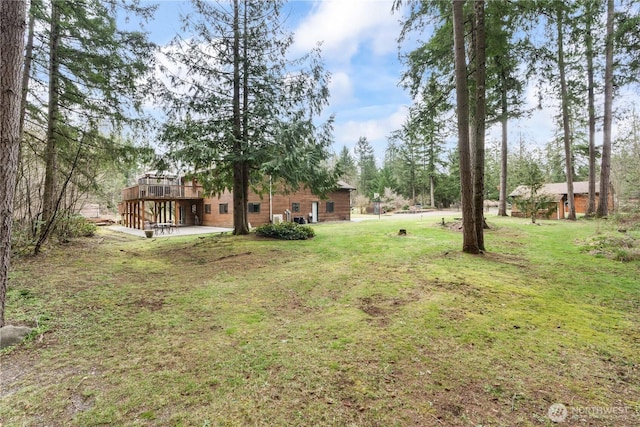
[156, 191]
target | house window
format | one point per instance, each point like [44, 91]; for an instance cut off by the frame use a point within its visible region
[254, 207]
[295, 207]
[330, 207]
[207, 209]
[223, 208]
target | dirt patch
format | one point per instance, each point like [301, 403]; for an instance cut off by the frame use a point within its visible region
[151, 304]
[453, 226]
[462, 287]
[455, 315]
[292, 301]
[12, 371]
[509, 259]
[231, 256]
[372, 310]
[380, 308]
[78, 403]
[221, 252]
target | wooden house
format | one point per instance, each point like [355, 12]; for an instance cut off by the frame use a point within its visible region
[557, 195]
[166, 199]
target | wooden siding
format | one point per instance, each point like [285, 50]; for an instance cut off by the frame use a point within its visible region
[280, 202]
[215, 218]
[580, 200]
[187, 206]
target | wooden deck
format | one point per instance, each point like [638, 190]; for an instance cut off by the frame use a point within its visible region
[162, 192]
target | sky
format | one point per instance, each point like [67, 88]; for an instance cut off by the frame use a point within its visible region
[360, 49]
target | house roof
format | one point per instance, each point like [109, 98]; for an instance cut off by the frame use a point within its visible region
[157, 174]
[556, 190]
[344, 186]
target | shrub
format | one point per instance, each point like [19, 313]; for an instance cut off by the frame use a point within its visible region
[286, 231]
[622, 248]
[623, 255]
[22, 237]
[73, 226]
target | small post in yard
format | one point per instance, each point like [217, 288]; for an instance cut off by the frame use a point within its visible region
[376, 197]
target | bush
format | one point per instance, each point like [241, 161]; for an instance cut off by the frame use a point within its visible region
[619, 247]
[286, 231]
[22, 237]
[73, 226]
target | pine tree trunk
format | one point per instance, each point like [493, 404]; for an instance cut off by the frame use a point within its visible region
[605, 168]
[480, 113]
[565, 113]
[12, 27]
[26, 73]
[432, 191]
[502, 205]
[239, 201]
[413, 188]
[469, 236]
[50, 193]
[245, 121]
[591, 203]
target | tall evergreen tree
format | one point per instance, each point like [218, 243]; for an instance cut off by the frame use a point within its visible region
[419, 144]
[479, 119]
[555, 66]
[367, 166]
[469, 236]
[591, 14]
[447, 191]
[433, 60]
[242, 109]
[393, 166]
[346, 165]
[505, 86]
[12, 30]
[560, 16]
[605, 168]
[408, 159]
[626, 42]
[92, 77]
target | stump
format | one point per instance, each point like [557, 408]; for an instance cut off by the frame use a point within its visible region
[402, 232]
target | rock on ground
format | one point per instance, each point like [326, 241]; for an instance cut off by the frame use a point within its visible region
[11, 335]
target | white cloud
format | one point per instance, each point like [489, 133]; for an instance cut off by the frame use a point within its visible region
[376, 123]
[535, 130]
[340, 88]
[343, 26]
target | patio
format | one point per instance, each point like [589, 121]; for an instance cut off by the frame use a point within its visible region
[175, 232]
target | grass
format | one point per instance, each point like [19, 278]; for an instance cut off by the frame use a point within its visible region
[358, 326]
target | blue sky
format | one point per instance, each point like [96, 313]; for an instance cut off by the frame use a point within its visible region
[360, 51]
[359, 45]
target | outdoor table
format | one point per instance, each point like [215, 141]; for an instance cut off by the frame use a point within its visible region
[161, 226]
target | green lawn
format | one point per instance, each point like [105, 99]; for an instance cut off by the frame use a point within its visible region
[358, 326]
